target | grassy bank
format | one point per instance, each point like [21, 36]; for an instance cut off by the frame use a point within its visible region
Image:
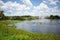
[11, 33]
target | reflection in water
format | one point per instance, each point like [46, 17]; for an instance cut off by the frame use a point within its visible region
[41, 26]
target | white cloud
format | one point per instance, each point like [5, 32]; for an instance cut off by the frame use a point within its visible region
[1, 3]
[14, 5]
[14, 8]
[40, 10]
[44, 10]
[27, 3]
[52, 2]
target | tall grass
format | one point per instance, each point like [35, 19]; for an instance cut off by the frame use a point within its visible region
[11, 33]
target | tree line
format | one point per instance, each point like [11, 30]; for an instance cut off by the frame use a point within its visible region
[53, 17]
[25, 17]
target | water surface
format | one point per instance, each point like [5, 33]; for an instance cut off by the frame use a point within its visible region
[40, 26]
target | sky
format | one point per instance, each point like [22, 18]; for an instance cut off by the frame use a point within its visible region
[30, 7]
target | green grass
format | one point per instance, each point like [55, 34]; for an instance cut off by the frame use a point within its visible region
[11, 33]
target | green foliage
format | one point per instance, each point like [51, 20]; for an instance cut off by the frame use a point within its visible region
[11, 33]
[25, 17]
[53, 17]
[1, 14]
[18, 17]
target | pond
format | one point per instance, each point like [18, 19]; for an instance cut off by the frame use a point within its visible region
[40, 26]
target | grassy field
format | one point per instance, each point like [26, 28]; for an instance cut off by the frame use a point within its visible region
[11, 33]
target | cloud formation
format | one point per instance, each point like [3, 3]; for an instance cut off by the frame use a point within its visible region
[44, 10]
[27, 3]
[52, 2]
[17, 9]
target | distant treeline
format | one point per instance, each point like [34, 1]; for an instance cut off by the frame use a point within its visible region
[53, 17]
[25, 17]
[18, 18]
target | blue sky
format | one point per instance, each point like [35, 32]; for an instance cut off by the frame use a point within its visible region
[30, 7]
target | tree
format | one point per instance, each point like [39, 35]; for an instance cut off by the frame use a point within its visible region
[1, 14]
